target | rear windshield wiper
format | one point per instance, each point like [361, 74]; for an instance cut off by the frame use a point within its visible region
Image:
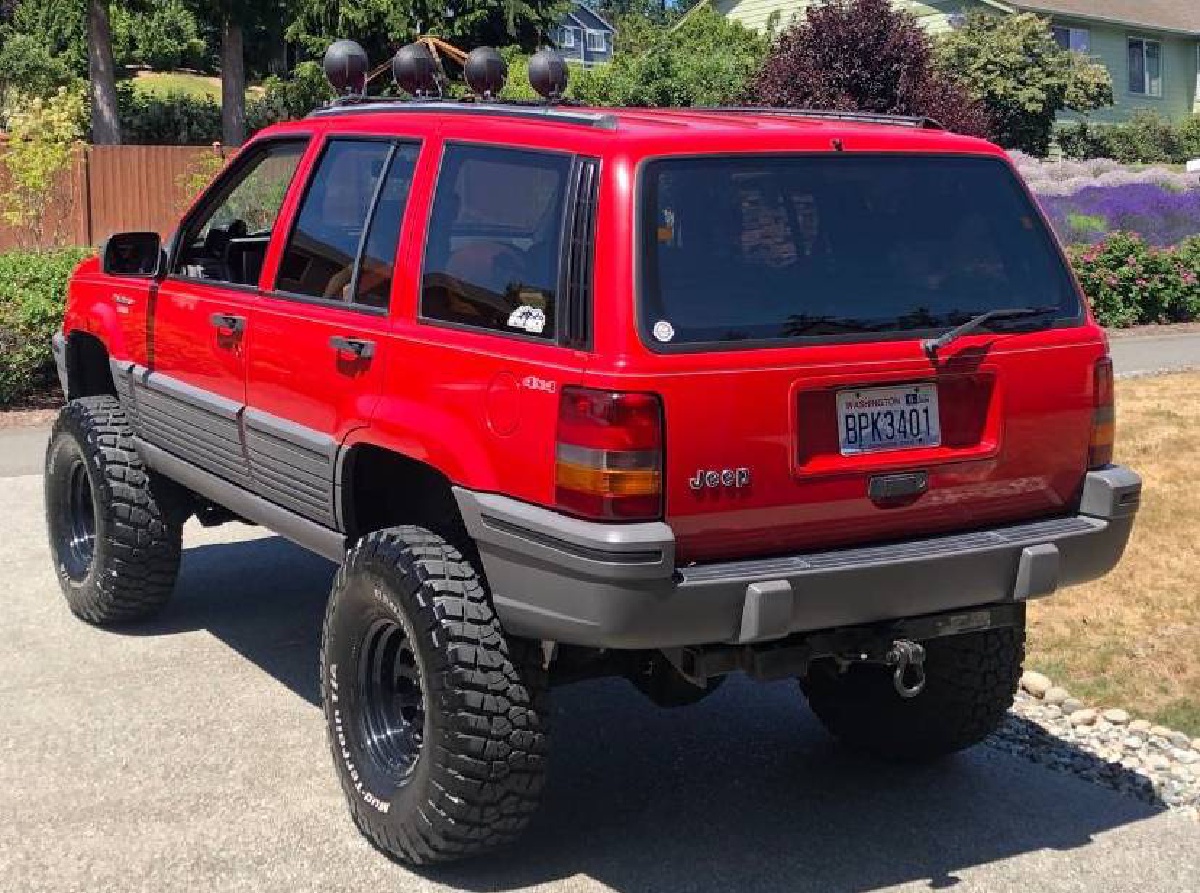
[933, 345]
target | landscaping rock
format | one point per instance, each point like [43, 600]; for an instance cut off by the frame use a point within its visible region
[1133, 757]
[1116, 716]
[1056, 694]
[1035, 683]
[1071, 705]
[1179, 739]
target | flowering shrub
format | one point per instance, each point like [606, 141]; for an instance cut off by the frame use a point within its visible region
[1130, 282]
[1087, 200]
[1160, 216]
[1068, 177]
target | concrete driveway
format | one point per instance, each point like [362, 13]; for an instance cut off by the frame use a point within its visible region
[189, 754]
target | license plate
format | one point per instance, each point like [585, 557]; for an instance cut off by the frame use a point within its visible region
[874, 419]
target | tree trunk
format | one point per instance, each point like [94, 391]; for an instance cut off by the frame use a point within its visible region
[106, 127]
[233, 84]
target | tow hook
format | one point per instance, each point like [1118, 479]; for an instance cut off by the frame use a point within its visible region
[908, 658]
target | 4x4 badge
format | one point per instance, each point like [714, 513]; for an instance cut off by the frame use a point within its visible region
[726, 477]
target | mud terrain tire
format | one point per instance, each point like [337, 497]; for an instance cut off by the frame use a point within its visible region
[437, 722]
[114, 537]
[970, 682]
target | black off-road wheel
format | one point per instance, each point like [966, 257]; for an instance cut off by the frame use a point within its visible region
[115, 534]
[437, 721]
[970, 683]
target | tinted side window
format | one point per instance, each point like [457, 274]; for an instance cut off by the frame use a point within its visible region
[227, 240]
[321, 251]
[495, 233]
[383, 233]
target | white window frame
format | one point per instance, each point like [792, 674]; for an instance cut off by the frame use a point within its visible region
[568, 37]
[591, 46]
[1149, 90]
[1079, 40]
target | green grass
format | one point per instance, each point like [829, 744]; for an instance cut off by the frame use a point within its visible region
[162, 83]
[1131, 639]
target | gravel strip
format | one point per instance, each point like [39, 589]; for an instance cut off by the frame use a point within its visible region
[1152, 763]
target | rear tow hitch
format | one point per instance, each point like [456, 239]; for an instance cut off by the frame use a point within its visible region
[908, 658]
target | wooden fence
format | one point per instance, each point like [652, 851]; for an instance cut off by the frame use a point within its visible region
[113, 189]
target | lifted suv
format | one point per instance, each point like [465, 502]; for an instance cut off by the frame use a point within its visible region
[568, 393]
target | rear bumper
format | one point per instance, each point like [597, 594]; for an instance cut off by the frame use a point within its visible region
[616, 585]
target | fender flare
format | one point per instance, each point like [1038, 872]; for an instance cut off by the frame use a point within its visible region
[426, 435]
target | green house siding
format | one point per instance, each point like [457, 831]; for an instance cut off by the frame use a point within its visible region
[757, 14]
[1109, 45]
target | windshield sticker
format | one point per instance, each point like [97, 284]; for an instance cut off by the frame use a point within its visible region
[664, 331]
[531, 319]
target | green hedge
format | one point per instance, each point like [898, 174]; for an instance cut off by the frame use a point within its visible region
[1146, 138]
[1131, 283]
[33, 287]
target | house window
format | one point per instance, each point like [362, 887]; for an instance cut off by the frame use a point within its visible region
[596, 42]
[568, 38]
[1077, 39]
[1145, 67]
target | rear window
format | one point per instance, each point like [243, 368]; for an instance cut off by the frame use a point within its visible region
[769, 249]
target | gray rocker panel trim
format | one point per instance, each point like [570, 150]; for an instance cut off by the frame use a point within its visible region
[615, 586]
[310, 535]
[283, 462]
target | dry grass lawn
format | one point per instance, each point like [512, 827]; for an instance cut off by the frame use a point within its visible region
[1132, 639]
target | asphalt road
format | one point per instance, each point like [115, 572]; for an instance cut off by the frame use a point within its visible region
[189, 754]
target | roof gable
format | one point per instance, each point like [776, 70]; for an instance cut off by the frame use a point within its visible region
[587, 17]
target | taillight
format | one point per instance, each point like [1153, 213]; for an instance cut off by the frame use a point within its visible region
[1100, 449]
[609, 455]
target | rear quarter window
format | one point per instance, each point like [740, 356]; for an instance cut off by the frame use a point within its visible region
[495, 239]
[779, 248]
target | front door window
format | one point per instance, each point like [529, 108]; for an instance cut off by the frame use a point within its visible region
[226, 240]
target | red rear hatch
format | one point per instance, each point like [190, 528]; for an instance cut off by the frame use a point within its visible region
[788, 301]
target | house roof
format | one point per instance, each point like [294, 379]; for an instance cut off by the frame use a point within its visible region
[1164, 15]
[574, 15]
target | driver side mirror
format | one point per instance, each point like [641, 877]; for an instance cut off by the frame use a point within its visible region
[132, 254]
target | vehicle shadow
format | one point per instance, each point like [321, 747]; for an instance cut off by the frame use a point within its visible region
[743, 792]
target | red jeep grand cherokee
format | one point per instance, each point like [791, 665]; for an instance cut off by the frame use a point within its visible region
[571, 392]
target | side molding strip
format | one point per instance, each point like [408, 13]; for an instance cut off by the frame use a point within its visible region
[310, 535]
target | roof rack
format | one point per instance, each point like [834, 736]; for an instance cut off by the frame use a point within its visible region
[555, 114]
[917, 121]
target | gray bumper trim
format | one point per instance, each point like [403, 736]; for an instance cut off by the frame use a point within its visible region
[615, 585]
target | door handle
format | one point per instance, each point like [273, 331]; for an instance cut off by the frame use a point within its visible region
[361, 348]
[228, 322]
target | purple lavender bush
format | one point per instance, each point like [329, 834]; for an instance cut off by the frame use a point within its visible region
[1160, 216]
[1088, 200]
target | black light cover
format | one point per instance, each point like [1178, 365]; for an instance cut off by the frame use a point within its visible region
[346, 67]
[486, 72]
[548, 74]
[415, 70]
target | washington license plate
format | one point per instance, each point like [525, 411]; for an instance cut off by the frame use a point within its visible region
[874, 419]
